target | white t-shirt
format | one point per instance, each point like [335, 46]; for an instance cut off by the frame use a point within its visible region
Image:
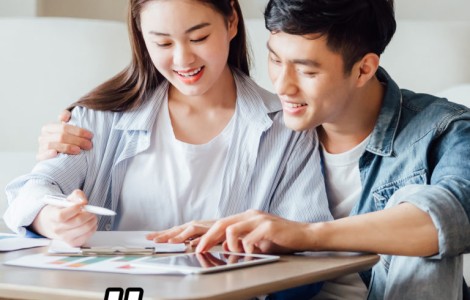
[343, 187]
[173, 182]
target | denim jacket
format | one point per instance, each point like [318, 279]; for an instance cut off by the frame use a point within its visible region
[419, 152]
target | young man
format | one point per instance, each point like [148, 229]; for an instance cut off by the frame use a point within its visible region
[395, 162]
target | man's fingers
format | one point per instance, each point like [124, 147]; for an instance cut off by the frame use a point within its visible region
[193, 243]
[65, 116]
[46, 154]
[77, 131]
[66, 128]
[237, 231]
[216, 233]
[66, 133]
[213, 236]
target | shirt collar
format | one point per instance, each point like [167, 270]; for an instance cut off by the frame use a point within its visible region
[143, 117]
[383, 135]
[253, 104]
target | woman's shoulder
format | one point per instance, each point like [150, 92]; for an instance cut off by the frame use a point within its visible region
[247, 87]
[135, 118]
[85, 115]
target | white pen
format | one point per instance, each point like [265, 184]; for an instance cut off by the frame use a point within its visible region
[63, 202]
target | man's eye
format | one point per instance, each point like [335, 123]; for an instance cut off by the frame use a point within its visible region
[275, 60]
[308, 74]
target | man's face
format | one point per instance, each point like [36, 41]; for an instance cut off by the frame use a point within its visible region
[309, 79]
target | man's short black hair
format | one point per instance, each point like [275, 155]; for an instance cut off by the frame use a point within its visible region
[353, 28]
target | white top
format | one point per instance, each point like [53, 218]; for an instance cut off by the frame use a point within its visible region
[182, 180]
[267, 163]
[343, 187]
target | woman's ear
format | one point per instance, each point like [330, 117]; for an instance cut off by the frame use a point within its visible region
[233, 22]
[367, 68]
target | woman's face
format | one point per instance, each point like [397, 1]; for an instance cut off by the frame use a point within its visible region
[188, 42]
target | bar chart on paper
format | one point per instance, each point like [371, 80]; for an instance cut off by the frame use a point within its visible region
[111, 264]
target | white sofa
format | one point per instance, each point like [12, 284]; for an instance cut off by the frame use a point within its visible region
[47, 63]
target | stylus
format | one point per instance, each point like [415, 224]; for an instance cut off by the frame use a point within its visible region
[63, 202]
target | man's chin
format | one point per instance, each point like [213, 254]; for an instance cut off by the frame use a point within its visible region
[296, 124]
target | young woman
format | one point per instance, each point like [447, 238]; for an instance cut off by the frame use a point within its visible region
[181, 134]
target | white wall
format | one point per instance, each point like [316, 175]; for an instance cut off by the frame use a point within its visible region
[90, 9]
[452, 10]
[405, 9]
[18, 8]
[115, 9]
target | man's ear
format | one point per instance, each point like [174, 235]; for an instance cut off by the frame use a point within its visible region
[366, 68]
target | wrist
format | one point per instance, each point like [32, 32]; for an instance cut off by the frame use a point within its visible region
[316, 236]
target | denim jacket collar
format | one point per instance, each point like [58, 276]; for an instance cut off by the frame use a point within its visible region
[383, 135]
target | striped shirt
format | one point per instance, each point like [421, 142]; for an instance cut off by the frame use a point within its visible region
[269, 167]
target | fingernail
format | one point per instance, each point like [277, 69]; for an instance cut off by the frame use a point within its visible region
[75, 149]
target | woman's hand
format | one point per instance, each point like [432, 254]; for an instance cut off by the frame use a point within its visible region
[72, 224]
[191, 231]
[62, 138]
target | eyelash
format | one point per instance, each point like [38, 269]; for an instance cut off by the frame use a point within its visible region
[308, 74]
[192, 41]
[276, 61]
[200, 40]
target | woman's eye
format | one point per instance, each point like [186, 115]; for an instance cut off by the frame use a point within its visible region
[200, 40]
[163, 44]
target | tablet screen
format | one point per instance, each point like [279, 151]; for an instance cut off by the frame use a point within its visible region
[206, 262]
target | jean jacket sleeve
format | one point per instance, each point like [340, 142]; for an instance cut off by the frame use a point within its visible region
[447, 198]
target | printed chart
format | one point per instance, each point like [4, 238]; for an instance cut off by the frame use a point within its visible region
[112, 264]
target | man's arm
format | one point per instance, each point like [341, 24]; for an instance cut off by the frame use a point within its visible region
[400, 230]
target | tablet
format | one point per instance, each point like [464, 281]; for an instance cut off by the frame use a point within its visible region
[200, 263]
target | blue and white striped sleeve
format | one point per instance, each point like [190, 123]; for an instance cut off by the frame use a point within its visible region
[53, 176]
[301, 193]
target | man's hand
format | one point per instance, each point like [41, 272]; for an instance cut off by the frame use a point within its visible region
[62, 138]
[258, 232]
[72, 224]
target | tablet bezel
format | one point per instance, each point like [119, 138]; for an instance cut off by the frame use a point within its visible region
[263, 259]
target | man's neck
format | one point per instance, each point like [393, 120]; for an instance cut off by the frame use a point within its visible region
[356, 123]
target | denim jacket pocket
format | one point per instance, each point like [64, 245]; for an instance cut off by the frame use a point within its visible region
[383, 193]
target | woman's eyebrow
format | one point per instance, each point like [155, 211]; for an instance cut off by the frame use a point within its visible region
[191, 29]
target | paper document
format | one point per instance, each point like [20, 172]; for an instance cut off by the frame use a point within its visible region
[124, 242]
[110, 264]
[10, 242]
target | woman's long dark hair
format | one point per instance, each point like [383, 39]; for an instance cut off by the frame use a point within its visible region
[133, 85]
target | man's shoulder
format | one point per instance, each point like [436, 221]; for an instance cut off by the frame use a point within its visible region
[424, 114]
[428, 109]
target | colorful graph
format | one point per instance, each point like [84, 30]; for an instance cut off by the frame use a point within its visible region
[90, 261]
[65, 260]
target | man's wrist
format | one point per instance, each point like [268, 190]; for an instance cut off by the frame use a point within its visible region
[316, 235]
